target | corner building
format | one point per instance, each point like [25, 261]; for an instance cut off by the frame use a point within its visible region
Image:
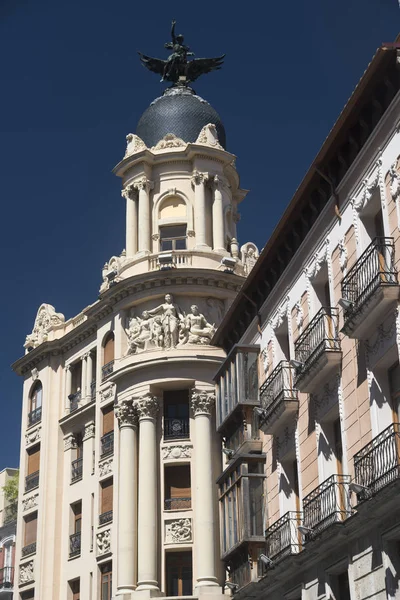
[119, 452]
[310, 491]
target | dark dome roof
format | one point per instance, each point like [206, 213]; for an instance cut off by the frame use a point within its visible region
[181, 112]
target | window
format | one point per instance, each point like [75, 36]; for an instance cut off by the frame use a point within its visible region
[28, 595]
[32, 478]
[35, 404]
[172, 237]
[176, 414]
[107, 440]
[108, 355]
[30, 533]
[75, 587]
[106, 508]
[106, 581]
[340, 587]
[179, 574]
[75, 537]
[77, 462]
[178, 494]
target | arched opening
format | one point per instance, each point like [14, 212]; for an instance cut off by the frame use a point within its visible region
[35, 404]
[108, 355]
[172, 217]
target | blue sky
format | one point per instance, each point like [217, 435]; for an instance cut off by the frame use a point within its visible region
[72, 87]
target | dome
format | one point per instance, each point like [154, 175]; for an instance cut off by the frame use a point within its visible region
[181, 112]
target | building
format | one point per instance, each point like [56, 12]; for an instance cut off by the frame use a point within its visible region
[119, 452]
[308, 397]
[8, 527]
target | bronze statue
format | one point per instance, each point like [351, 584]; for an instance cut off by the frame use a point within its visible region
[177, 68]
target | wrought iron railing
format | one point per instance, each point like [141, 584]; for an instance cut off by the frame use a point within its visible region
[283, 538]
[277, 387]
[6, 577]
[240, 570]
[75, 544]
[32, 481]
[107, 443]
[74, 400]
[374, 268]
[76, 469]
[327, 504]
[106, 517]
[321, 335]
[107, 369]
[177, 503]
[93, 390]
[378, 463]
[35, 416]
[10, 513]
[29, 549]
[175, 428]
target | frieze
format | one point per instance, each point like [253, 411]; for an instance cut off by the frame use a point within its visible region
[103, 542]
[106, 467]
[178, 531]
[107, 394]
[177, 451]
[26, 573]
[30, 502]
[33, 435]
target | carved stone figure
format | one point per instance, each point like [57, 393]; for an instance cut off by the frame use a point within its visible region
[46, 318]
[26, 572]
[178, 531]
[177, 451]
[249, 256]
[30, 502]
[106, 467]
[196, 329]
[139, 332]
[171, 316]
[103, 542]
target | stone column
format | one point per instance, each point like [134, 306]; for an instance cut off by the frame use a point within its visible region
[202, 403]
[127, 499]
[144, 186]
[147, 407]
[89, 376]
[218, 216]
[199, 181]
[131, 244]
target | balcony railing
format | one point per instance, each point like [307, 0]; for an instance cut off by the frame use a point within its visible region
[107, 444]
[327, 504]
[7, 577]
[76, 469]
[10, 513]
[35, 416]
[107, 369]
[32, 481]
[278, 393]
[74, 400]
[282, 538]
[106, 517]
[176, 428]
[29, 549]
[378, 463]
[177, 503]
[75, 544]
[321, 335]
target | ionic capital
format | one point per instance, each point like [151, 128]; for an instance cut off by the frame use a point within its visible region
[147, 406]
[129, 192]
[143, 184]
[202, 402]
[126, 413]
[198, 178]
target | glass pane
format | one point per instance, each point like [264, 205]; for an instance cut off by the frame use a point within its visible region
[256, 505]
[180, 244]
[186, 581]
[166, 245]
[172, 231]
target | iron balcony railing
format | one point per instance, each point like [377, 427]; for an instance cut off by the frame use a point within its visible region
[277, 387]
[10, 513]
[176, 428]
[240, 569]
[32, 481]
[35, 416]
[378, 463]
[374, 268]
[107, 443]
[29, 549]
[177, 503]
[321, 335]
[106, 517]
[74, 400]
[327, 504]
[282, 538]
[75, 544]
[76, 469]
[7, 577]
[93, 390]
[107, 369]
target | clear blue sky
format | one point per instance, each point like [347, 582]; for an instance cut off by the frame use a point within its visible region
[72, 87]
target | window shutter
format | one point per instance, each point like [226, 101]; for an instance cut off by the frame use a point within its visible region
[109, 351]
[33, 460]
[30, 529]
[107, 496]
[108, 419]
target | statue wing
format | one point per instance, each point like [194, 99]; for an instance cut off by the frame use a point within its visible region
[199, 66]
[153, 64]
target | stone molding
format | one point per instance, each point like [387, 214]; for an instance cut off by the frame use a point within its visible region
[143, 184]
[89, 431]
[177, 451]
[198, 178]
[178, 531]
[33, 436]
[46, 319]
[126, 413]
[26, 573]
[30, 502]
[342, 254]
[321, 257]
[394, 181]
[108, 393]
[106, 467]
[134, 144]
[169, 141]
[34, 374]
[202, 402]
[69, 442]
[147, 406]
[208, 136]
[103, 542]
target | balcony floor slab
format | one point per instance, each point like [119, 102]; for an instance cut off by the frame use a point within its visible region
[312, 377]
[361, 324]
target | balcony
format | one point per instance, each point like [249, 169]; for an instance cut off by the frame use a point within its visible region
[318, 351]
[278, 398]
[29, 549]
[75, 544]
[7, 577]
[107, 444]
[74, 400]
[327, 504]
[10, 513]
[371, 288]
[107, 369]
[35, 416]
[282, 538]
[32, 481]
[76, 469]
[244, 438]
[106, 517]
[176, 428]
[177, 503]
[378, 463]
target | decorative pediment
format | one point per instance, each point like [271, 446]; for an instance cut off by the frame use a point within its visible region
[169, 141]
[134, 144]
[209, 136]
[46, 319]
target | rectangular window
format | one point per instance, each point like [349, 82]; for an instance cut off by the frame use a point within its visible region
[75, 537]
[106, 507]
[179, 574]
[176, 414]
[33, 460]
[340, 586]
[28, 595]
[106, 581]
[177, 488]
[30, 529]
[107, 439]
[75, 587]
[173, 237]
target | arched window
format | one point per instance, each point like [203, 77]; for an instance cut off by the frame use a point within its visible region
[35, 404]
[108, 354]
[172, 216]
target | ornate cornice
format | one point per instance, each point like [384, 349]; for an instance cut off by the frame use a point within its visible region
[147, 406]
[202, 402]
[126, 413]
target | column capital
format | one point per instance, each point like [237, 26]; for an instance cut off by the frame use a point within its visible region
[69, 441]
[89, 431]
[202, 402]
[129, 191]
[143, 184]
[147, 406]
[198, 178]
[126, 413]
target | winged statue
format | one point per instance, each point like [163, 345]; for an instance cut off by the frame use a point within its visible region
[177, 68]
